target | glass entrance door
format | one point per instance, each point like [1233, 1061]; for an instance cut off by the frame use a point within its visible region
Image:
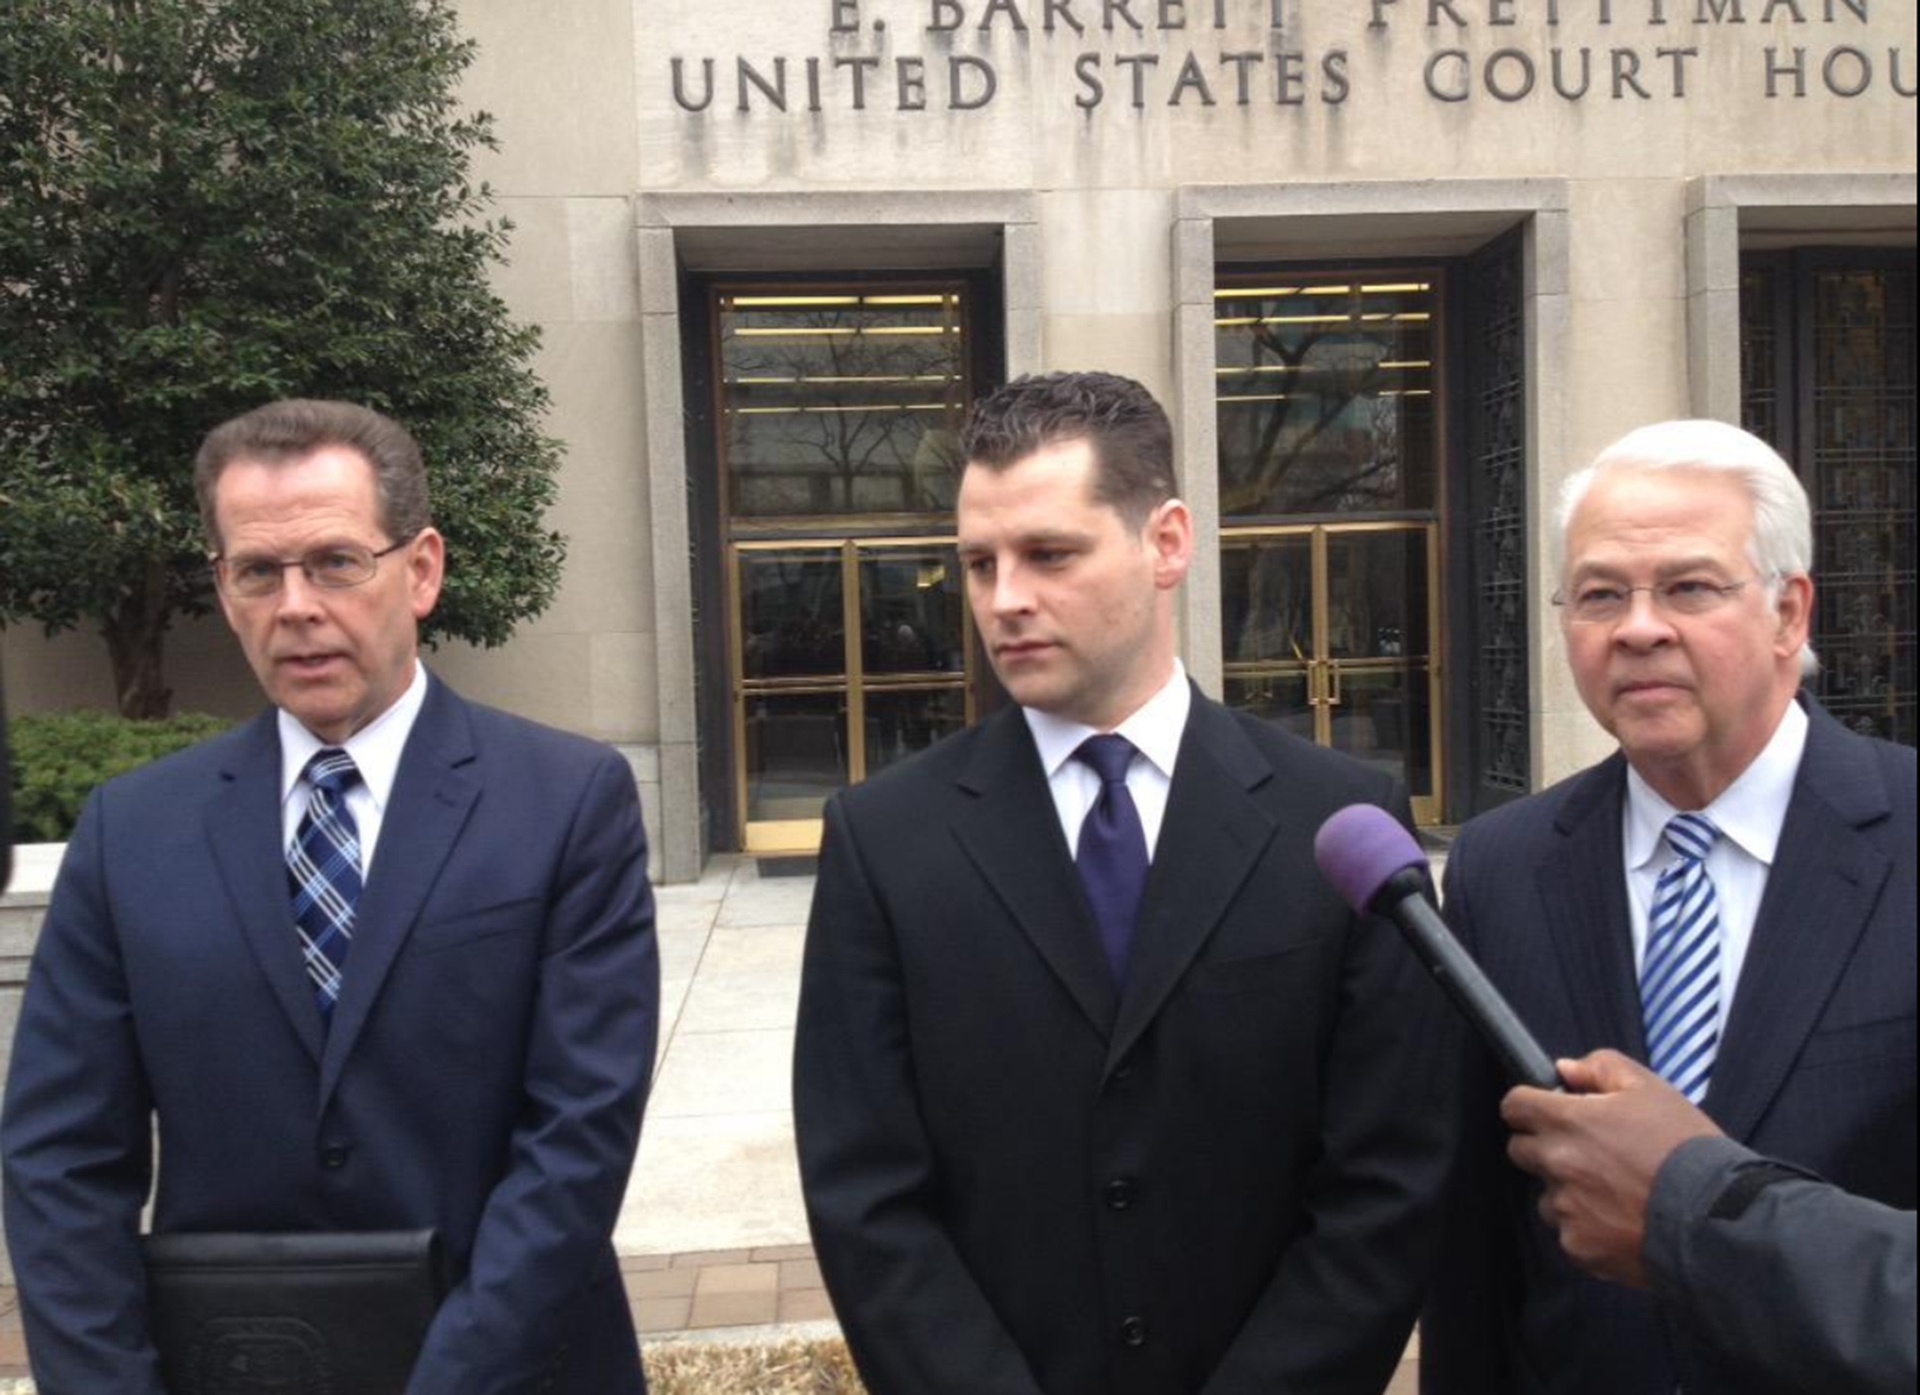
[852, 656]
[849, 641]
[1329, 632]
[1331, 390]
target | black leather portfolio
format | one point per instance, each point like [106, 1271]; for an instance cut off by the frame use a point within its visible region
[321, 1313]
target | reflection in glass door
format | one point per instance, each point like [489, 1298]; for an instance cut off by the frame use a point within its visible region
[1329, 633]
[852, 656]
[850, 640]
[1328, 411]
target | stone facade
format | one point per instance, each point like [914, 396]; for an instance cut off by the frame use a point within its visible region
[1103, 156]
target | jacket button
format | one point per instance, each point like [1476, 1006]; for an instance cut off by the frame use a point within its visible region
[1121, 1193]
[1133, 1331]
[334, 1158]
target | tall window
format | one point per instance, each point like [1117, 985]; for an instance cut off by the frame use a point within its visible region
[1329, 394]
[839, 412]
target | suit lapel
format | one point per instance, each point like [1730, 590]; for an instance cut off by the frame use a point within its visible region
[1820, 894]
[1012, 835]
[243, 831]
[432, 797]
[1583, 887]
[1213, 834]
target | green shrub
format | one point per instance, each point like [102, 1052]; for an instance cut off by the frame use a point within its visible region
[58, 757]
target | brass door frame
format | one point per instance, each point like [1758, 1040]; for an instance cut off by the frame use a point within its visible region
[1325, 674]
[792, 836]
[850, 533]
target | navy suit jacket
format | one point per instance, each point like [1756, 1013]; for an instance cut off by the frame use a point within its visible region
[1220, 1180]
[484, 1073]
[1816, 1064]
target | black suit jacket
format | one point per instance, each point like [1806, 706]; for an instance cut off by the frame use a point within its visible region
[1816, 1065]
[1221, 1180]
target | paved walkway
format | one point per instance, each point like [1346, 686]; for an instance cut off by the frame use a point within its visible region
[717, 1168]
[713, 1234]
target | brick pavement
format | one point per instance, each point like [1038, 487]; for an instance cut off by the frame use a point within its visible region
[710, 1289]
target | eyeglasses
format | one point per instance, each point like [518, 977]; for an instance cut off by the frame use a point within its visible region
[1603, 602]
[332, 568]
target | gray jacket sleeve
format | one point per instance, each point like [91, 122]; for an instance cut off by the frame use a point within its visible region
[1784, 1275]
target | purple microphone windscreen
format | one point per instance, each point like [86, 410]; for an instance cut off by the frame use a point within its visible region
[1361, 846]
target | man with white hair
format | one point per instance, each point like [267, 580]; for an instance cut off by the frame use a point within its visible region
[1729, 899]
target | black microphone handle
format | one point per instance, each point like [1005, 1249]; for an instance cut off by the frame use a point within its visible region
[1403, 899]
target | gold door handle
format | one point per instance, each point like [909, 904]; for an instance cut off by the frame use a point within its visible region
[1333, 684]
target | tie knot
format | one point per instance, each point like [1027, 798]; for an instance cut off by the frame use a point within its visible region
[1109, 755]
[332, 770]
[1691, 835]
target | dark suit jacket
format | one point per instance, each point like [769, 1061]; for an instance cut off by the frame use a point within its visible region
[484, 1073]
[1837, 1271]
[1816, 1065]
[1222, 1181]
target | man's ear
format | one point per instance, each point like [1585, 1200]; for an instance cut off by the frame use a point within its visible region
[1793, 608]
[1169, 536]
[426, 569]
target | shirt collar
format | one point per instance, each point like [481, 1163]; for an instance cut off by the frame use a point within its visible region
[1155, 729]
[1749, 813]
[376, 748]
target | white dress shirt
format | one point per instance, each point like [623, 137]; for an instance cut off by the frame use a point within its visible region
[1155, 731]
[1749, 814]
[375, 749]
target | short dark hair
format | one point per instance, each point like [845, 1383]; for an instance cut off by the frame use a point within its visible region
[1131, 438]
[296, 427]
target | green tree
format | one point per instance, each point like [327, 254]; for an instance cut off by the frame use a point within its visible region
[207, 204]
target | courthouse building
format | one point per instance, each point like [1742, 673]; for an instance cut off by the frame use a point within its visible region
[1396, 267]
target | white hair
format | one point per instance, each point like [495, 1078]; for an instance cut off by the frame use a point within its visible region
[1782, 541]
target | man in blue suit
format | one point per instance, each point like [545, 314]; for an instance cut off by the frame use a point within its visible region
[1729, 898]
[382, 959]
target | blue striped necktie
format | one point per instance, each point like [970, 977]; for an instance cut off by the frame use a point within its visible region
[1680, 979]
[1112, 855]
[323, 870]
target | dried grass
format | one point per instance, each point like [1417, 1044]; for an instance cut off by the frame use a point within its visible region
[780, 1368]
[686, 1368]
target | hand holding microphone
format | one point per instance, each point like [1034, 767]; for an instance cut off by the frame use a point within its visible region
[1377, 868]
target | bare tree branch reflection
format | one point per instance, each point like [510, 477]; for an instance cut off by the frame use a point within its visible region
[844, 411]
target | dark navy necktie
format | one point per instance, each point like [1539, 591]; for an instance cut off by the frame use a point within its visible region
[1113, 849]
[324, 871]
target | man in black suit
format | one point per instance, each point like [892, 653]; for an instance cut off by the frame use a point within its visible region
[1729, 897]
[1161, 1121]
